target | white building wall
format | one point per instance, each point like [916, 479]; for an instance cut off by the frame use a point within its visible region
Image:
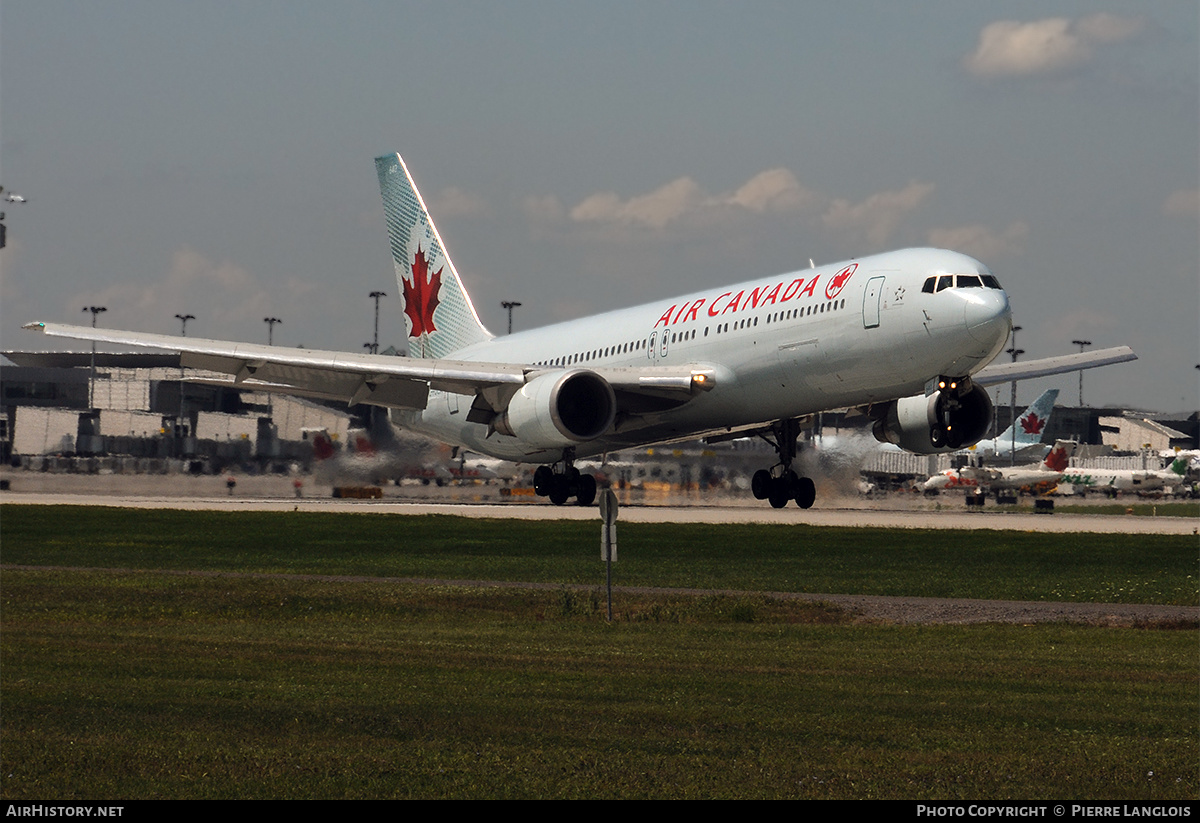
[218, 426]
[1133, 435]
[122, 423]
[292, 415]
[44, 431]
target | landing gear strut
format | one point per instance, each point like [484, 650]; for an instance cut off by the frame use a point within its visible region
[780, 483]
[563, 481]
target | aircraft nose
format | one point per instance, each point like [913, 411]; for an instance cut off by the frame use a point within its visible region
[988, 316]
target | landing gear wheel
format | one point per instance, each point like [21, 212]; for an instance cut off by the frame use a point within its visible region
[937, 436]
[805, 492]
[543, 479]
[559, 492]
[587, 490]
[780, 492]
[760, 484]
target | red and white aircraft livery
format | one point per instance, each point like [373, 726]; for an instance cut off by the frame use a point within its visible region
[1045, 474]
[904, 337]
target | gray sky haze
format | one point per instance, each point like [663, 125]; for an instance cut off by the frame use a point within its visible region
[215, 159]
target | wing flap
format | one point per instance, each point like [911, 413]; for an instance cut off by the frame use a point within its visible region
[363, 378]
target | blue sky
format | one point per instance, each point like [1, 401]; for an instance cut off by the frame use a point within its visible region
[216, 159]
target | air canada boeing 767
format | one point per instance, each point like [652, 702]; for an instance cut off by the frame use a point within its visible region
[903, 337]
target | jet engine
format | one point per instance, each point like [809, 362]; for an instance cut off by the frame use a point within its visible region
[957, 414]
[560, 409]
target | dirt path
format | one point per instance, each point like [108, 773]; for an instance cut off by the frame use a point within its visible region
[865, 608]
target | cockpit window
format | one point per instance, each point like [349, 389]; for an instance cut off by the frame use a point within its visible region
[942, 282]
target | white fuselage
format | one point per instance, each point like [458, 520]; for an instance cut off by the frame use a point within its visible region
[970, 477]
[780, 347]
[1119, 480]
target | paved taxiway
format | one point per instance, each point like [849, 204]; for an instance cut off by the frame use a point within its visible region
[277, 493]
[817, 516]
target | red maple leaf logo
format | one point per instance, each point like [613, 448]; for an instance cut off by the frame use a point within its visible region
[421, 296]
[836, 283]
[1032, 424]
[1057, 459]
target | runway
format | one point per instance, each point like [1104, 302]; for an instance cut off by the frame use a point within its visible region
[886, 518]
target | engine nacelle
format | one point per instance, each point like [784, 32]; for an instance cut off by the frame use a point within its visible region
[944, 421]
[560, 409]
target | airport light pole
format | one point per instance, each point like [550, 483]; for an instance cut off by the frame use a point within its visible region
[95, 310]
[1012, 402]
[271, 321]
[1081, 344]
[510, 305]
[376, 294]
[182, 318]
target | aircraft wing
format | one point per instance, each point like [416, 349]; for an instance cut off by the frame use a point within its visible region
[394, 382]
[1007, 372]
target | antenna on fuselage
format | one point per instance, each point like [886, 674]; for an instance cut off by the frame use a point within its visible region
[811, 264]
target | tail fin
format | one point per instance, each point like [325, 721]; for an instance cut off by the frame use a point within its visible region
[437, 309]
[1060, 456]
[1030, 424]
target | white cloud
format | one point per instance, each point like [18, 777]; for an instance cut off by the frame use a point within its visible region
[654, 210]
[1008, 48]
[1182, 203]
[226, 298]
[454, 202]
[982, 242]
[879, 215]
[771, 191]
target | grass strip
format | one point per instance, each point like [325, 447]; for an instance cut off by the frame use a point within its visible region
[985, 564]
[155, 686]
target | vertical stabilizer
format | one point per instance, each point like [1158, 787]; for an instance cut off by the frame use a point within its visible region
[437, 309]
[1029, 426]
[1060, 456]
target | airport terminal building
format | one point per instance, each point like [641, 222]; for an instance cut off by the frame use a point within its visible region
[146, 407]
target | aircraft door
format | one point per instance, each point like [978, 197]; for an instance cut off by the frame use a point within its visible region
[871, 297]
[652, 345]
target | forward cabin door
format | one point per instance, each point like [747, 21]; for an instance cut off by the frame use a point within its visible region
[871, 297]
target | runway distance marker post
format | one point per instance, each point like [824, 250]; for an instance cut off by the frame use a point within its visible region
[608, 539]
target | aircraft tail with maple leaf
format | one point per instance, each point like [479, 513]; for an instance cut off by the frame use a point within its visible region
[437, 310]
[1027, 431]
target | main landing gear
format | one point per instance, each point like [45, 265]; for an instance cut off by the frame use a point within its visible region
[780, 483]
[564, 481]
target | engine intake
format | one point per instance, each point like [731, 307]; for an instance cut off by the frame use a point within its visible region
[945, 421]
[560, 409]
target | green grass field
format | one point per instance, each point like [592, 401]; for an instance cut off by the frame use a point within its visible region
[143, 684]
